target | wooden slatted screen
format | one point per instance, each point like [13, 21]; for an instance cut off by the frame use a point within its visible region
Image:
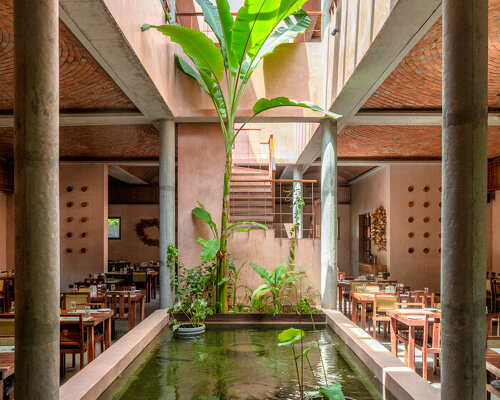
[494, 174]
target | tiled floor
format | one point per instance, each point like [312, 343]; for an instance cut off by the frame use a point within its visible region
[121, 328]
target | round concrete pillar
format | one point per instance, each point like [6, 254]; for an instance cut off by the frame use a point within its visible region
[329, 214]
[167, 208]
[464, 169]
[36, 181]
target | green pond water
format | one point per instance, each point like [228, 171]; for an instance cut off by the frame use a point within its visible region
[240, 364]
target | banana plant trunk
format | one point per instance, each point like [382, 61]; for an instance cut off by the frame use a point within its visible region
[222, 262]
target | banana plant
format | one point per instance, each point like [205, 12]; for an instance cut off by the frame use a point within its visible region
[223, 72]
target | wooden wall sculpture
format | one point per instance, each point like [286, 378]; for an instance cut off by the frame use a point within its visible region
[378, 229]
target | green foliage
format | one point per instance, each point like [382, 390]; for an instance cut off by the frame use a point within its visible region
[260, 27]
[113, 221]
[234, 273]
[196, 312]
[173, 261]
[273, 288]
[295, 197]
[290, 336]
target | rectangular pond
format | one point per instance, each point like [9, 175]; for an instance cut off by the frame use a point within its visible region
[240, 363]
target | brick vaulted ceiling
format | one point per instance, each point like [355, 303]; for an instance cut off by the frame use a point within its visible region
[84, 85]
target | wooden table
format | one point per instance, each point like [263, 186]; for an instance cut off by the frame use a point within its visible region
[413, 319]
[139, 297]
[96, 318]
[6, 368]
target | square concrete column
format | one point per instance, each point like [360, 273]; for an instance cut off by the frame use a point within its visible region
[36, 190]
[329, 214]
[463, 254]
[167, 209]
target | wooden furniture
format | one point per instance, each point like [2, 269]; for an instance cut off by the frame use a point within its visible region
[72, 339]
[382, 302]
[427, 299]
[492, 367]
[81, 300]
[371, 269]
[430, 343]
[361, 299]
[119, 299]
[141, 281]
[364, 238]
[412, 320]
[6, 371]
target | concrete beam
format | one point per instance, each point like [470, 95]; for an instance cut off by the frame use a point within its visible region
[403, 118]
[87, 119]
[125, 176]
[407, 23]
[96, 28]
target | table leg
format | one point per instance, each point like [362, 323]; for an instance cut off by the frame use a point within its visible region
[363, 315]
[90, 344]
[107, 333]
[1, 389]
[131, 315]
[142, 309]
[354, 310]
[394, 340]
[411, 347]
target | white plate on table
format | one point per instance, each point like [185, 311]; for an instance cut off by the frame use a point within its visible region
[6, 349]
[103, 309]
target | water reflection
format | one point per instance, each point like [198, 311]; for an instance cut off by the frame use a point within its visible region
[241, 364]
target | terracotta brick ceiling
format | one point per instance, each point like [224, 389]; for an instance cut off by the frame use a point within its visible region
[416, 82]
[85, 86]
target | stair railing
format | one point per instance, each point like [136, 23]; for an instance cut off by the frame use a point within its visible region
[271, 168]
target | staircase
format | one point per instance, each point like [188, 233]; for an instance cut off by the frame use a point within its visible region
[251, 201]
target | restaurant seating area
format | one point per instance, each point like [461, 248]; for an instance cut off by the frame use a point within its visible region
[408, 321]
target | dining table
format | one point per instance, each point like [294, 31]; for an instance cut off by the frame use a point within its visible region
[411, 319]
[101, 316]
[363, 299]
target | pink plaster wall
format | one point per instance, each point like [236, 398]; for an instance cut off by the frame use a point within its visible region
[130, 247]
[494, 249]
[366, 196]
[77, 265]
[417, 269]
[200, 178]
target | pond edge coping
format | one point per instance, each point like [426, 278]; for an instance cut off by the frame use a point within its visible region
[400, 380]
[92, 380]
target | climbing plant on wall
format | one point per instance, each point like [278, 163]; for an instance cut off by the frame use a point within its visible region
[223, 72]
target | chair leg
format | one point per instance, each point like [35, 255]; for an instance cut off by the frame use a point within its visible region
[62, 366]
[406, 354]
[374, 328]
[73, 360]
[81, 360]
[424, 363]
[434, 364]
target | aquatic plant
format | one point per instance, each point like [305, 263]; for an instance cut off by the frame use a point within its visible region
[196, 313]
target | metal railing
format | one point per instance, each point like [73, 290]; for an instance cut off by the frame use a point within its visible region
[269, 201]
[195, 20]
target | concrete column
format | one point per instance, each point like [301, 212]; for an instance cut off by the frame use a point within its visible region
[167, 208]
[297, 189]
[329, 214]
[36, 181]
[463, 255]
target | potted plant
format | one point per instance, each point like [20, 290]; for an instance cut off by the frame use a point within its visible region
[196, 312]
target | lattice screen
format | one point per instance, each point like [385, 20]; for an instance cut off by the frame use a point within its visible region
[494, 175]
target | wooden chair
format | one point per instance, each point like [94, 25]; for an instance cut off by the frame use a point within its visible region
[409, 306]
[368, 289]
[429, 343]
[402, 334]
[121, 304]
[3, 295]
[81, 299]
[72, 340]
[381, 303]
[427, 299]
[7, 331]
[348, 293]
[489, 295]
[384, 283]
[140, 280]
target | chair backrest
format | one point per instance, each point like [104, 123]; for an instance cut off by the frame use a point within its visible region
[139, 276]
[385, 301]
[422, 297]
[81, 299]
[83, 289]
[72, 333]
[432, 329]
[7, 327]
[2, 285]
[355, 284]
[116, 301]
[410, 306]
[369, 289]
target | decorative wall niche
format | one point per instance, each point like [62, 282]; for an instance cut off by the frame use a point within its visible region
[84, 219]
[69, 189]
[84, 234]
[411, 219]
[410, 188]
[426, 234]
[426, 188]
[84, 188]
[427, 204]
[84, 203]
[411, 204]
[69, 219]
[69, 204]
[411, 234]
[69, 234]
[83, 250]
[411, 250]
[426, 219]
[69, 251]
[426, 250]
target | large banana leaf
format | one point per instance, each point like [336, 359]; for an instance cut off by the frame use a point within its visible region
[196, 45]
[209, 249]
[266, 104]
[215, 93]
[252, 223]
[226, 20]
[202, 213]
[254, 22]
[294, 25]
[278, 274]
[262, 272]
[184, 66]
[258, 294]
[212, 18]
